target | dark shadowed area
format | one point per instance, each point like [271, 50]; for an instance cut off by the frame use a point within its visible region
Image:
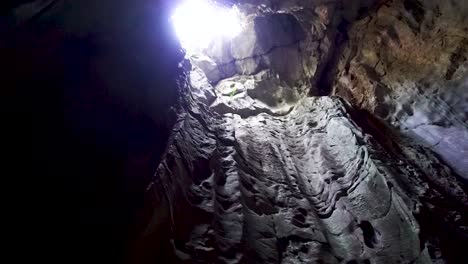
[87, 88]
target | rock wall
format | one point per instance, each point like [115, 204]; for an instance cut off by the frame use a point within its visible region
[87, 91]
[256, 171]
[306, 187]
[407, 63]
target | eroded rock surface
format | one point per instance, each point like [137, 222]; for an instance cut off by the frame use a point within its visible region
[254, 171]
[258, 172]
[250, 95]
[407, 63]
[306, 187]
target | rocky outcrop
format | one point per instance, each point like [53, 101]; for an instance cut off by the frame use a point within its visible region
[288, 43]
[257, 172]
[247, 95]
[407, 63]
[305, 187]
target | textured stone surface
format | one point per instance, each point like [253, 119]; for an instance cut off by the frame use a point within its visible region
[200, 86]
[307, 186]
[254, 171]
[407, 63]
[287, 43]
[208, 66]
[261, 173]
[251, 95]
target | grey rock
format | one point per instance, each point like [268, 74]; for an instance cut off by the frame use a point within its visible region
[397, 68]
[269, 175]
[201, 89]
[251, 95]
[245, 45]
[249, 66]
[208, 66]
[277, 30]
[220, 51]
[270, 40]
[307, 186]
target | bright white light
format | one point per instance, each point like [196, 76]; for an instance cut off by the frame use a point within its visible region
[199, 22]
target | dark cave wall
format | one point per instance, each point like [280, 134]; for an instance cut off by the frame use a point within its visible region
[87, 93]
[406, 62]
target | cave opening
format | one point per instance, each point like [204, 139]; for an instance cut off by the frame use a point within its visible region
[239, 131]
[199, 23]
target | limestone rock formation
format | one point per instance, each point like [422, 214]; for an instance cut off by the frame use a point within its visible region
[407, 63]
[327, 131]
[257, 171]
[250, 95]
[306, 187]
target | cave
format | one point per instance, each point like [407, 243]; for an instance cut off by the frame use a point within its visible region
[235, 131]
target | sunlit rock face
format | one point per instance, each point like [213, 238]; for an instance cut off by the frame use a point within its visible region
[309, 186]
[269, 40]
[251, 95]
[267, 165]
